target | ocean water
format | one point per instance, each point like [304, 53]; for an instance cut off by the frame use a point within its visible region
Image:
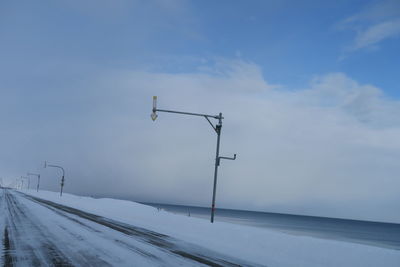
[379, 234]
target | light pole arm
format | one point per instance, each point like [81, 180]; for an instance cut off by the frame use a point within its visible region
[55, 166]
[212, 125]
[217, 117]
[35, 174]
[233, 158]
[187, 113]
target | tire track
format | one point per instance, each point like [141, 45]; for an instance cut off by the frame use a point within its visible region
[16, 234]
[8, 260]
[160, 241]
[35, 247]
[73, 218]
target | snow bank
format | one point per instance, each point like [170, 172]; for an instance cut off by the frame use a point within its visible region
[262, 246]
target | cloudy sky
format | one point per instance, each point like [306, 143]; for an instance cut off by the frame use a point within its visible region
[309, 91]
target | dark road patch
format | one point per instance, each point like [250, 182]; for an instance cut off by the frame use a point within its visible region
[8, 260]
[55, 257]
[196, 258]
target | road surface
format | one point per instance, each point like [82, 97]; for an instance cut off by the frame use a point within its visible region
[38, 232]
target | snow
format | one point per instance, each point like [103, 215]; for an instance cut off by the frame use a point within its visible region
[257, 245]
[2, 211]
[45, 234]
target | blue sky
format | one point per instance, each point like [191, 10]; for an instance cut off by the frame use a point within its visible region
[309, 89]
[291, 41]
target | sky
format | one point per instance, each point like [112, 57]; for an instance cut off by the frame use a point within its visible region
[309, 92]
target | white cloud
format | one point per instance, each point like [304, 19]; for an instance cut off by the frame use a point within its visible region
[377, 33]
[313, 151]
[373, 25]
[331, 149]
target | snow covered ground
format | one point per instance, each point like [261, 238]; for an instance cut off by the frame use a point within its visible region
[38, 232]
[243, 244]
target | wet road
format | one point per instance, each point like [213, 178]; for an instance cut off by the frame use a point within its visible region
[38, 232]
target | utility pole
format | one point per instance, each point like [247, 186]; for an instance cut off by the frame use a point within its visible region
[217, 128]
[63, 174]
[38, 181]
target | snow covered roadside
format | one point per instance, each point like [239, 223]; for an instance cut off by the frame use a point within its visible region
[2, 225]
[257, 245]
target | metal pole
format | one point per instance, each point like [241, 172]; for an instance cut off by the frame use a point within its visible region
[218, 128]
[29, 181]
[62, 185]
[38, 181]
[62, 178]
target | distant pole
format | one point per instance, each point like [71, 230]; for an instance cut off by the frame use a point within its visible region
[29, 181]
[38, 180]
[63, 174]
[21, 184]
[217, 128]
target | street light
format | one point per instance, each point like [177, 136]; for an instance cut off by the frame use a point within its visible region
[19, 182]
[16, 183]
[38, 181]
[62, 178]
[29, 181]
[217, 128]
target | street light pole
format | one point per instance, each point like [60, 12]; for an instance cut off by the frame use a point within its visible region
[20, 184]
[62, 178]
[16, 183]
[19, 181]
[29, 181]
[38, 181]
[217, 128]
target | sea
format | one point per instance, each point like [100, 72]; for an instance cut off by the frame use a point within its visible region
[378, 234]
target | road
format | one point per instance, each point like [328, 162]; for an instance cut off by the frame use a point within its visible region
[38, 232]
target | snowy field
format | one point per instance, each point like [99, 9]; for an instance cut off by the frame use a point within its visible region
[253, 245]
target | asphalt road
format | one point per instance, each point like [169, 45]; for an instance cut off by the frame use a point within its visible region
[38, 232]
